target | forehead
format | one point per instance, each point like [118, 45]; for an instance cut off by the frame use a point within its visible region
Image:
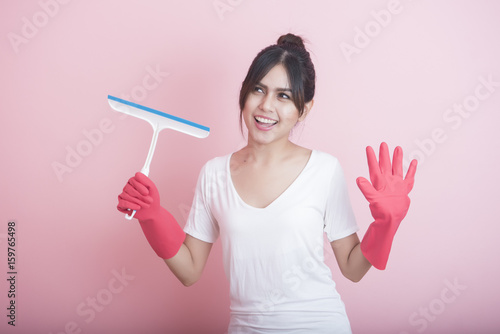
[276, 77]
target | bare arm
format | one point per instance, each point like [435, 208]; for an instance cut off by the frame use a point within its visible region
[352, 262]
[187, 265]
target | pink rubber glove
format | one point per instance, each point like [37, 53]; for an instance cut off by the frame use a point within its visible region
[389, 201]
[160, 228]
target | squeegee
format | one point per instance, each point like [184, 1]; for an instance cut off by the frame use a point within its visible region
[159, 121]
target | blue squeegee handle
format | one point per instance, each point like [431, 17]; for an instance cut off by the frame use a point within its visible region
[145, 168]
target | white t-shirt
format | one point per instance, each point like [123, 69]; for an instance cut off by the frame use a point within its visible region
[273, 256]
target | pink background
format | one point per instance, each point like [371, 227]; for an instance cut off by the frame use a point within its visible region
[59, 60]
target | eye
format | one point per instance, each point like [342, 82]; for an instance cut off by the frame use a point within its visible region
[258, 89]
[284, 96]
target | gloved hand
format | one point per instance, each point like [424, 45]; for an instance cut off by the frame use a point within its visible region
[389, 201]
[160, 228]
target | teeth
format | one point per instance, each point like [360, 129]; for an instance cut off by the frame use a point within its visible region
[265, 120]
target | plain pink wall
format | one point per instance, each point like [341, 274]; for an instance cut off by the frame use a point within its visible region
[396, 71]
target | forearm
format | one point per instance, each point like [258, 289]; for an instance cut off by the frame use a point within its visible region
[182, 266]
[168, 240]
[185, 256]
[352, 262]
[187, 265]
[357, 265]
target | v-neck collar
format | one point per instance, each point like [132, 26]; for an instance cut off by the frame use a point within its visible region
[277, 199]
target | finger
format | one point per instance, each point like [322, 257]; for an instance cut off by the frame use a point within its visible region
[366, 188]
[397, 162]
[144, 201]
[124, 205]
[412, 169]
[122, 210]
[144, 180]
[141, 202]
[385, 159]
[139, 186]
[410, 175]
[132, 190]
[373, 167]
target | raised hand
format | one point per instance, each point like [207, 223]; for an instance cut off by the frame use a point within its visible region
[389, 202]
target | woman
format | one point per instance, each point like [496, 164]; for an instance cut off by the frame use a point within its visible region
[270, 204]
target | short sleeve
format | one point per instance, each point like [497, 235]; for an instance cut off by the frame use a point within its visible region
[201, 223]
[340, 221]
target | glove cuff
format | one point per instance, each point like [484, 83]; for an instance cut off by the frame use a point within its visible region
[377, 242]
[163, 233]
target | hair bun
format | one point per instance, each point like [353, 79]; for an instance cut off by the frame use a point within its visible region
[291, 39]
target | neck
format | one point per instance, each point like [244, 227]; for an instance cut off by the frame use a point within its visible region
[267, 153]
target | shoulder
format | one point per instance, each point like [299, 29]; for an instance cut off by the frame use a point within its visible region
[324, 160]
[216, 164]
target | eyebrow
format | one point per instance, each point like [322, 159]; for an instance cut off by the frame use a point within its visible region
[278, 89]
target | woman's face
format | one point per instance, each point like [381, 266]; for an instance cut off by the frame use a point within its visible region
[269, 111]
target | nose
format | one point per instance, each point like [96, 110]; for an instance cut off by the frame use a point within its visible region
[266, 103]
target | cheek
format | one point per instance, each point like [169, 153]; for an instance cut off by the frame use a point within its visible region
[291, 114]
[246, 114]
[251, 101]
[250, 105]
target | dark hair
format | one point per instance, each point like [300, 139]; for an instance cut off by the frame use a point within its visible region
[290, 52]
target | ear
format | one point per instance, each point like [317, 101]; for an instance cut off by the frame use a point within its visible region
[307, 108]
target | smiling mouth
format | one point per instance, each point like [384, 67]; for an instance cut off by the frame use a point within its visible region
[265, 121]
